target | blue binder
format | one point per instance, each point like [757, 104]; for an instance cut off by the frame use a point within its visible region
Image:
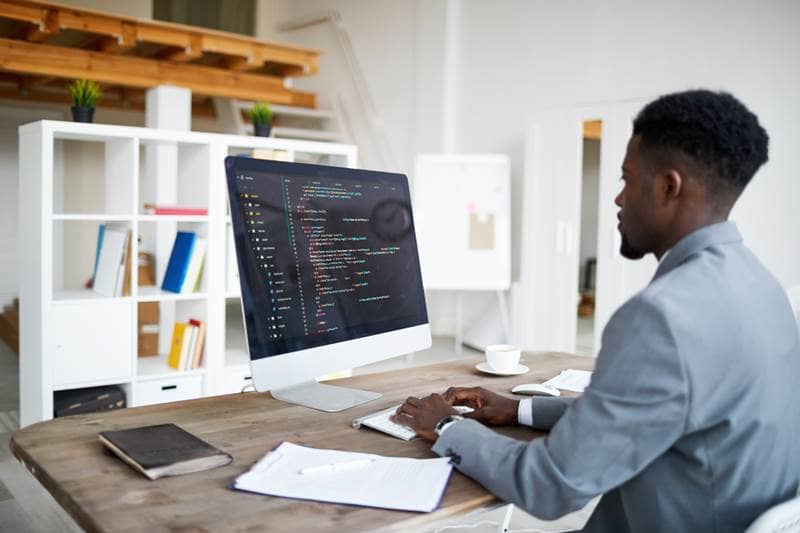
[179, 261]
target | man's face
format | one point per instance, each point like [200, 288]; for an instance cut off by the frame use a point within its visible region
[637, 220]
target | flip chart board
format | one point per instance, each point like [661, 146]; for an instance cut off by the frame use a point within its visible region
[462, 214]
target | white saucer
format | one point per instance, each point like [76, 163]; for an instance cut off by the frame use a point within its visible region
[484, 367]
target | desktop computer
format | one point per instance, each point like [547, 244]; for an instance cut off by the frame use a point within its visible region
[329, 273]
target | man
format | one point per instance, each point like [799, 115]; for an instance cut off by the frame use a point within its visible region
[690, 421]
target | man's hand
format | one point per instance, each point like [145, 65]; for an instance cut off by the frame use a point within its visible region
[490, 408]
[422, 415]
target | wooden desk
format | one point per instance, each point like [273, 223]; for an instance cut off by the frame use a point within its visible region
[104, 494]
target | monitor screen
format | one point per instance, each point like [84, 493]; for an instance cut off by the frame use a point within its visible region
[325, 254]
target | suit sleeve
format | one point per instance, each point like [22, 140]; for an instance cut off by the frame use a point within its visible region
[634, 409]
[545, 412]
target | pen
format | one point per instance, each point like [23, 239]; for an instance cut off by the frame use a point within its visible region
[335, 467]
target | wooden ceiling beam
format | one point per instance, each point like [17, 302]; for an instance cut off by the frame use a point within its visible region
[202, 109]
[190, 52]
[45, 60]
[44, 28]
[119, 43]
[190, 42]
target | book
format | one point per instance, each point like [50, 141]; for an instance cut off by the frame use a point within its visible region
[188, 354]
[197, 356]
[195, 269]
[154, 209]
[163, 450]
[109, 276]
[100, 231]
[179, 261]
[126, 268]
[176, 345]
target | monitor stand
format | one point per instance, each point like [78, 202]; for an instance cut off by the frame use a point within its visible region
[329, 398]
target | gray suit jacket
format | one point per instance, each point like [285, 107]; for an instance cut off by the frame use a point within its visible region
[691, 420]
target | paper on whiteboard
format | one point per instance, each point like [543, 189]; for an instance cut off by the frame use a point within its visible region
[571, 380]
[481, 231]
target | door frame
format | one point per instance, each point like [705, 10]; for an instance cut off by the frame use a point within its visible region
[545, 306]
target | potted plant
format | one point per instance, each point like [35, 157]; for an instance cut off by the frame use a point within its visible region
[84, 95]
[261, 116]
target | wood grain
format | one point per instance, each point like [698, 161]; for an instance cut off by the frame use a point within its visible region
[103, 494]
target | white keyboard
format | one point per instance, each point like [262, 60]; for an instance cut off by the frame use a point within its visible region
[380, 421]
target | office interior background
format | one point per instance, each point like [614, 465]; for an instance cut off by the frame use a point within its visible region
[552, 85]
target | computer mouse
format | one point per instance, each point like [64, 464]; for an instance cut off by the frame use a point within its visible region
[536, 389]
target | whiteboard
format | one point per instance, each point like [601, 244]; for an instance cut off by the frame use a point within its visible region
[462, 214]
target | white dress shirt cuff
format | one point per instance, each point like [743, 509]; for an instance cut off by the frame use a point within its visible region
[525, 412]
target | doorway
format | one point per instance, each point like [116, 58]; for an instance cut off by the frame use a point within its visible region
[587, 271]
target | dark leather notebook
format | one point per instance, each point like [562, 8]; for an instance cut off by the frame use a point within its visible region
[163, 450]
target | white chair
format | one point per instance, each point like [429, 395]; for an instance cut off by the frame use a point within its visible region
[783, 518]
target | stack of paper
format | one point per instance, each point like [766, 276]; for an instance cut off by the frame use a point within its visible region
[572, 380]
[293, 471]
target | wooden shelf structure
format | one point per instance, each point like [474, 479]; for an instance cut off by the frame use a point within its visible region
[43, 43]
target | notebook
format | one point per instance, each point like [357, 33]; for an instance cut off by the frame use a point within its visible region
[401, 483]
[163, 450]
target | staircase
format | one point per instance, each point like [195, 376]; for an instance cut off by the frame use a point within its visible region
[9, 325]
[289, 122]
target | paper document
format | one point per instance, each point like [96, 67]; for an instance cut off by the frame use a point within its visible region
[401, 483]
[572, 380]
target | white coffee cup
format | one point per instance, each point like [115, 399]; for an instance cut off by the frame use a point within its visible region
[502, 357]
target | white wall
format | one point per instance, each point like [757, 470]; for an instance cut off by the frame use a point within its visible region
[521, 56]
[533, 55]
[383, 35]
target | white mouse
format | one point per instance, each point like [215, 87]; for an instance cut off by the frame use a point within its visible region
[536, 389]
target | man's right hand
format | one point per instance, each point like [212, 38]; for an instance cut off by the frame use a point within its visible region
[490, 408]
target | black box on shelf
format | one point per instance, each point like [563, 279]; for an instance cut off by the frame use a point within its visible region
[89, 400]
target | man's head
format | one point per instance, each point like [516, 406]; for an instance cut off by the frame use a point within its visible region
[689, 158]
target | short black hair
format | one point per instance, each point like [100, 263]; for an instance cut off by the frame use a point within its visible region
[713, 129]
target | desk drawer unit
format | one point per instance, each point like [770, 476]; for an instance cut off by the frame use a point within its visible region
[167, 390]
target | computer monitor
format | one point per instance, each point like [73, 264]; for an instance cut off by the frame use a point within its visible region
[329, 274]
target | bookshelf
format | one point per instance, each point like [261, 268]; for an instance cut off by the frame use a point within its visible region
[74, 177]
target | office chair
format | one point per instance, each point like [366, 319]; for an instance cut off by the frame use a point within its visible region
[782, 518]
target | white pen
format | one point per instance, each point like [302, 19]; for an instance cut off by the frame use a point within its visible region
[336, 467]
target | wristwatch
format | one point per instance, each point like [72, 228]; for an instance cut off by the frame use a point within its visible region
[442, 424]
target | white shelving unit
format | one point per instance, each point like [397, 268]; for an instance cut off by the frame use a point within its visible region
[72, 337]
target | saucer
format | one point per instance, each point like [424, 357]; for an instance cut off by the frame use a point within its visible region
[520, 369]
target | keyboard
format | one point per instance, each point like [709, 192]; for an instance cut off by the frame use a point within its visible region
[380, 422]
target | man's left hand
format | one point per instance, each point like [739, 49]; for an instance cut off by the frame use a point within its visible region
[423, 414]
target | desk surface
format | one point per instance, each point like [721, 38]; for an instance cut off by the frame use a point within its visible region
[104, 494]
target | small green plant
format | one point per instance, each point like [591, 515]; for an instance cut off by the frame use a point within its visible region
[260, 113]
[84, 93]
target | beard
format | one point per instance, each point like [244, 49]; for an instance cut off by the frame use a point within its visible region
[628, 251]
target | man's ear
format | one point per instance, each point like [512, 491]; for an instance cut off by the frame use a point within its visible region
[671, 185]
